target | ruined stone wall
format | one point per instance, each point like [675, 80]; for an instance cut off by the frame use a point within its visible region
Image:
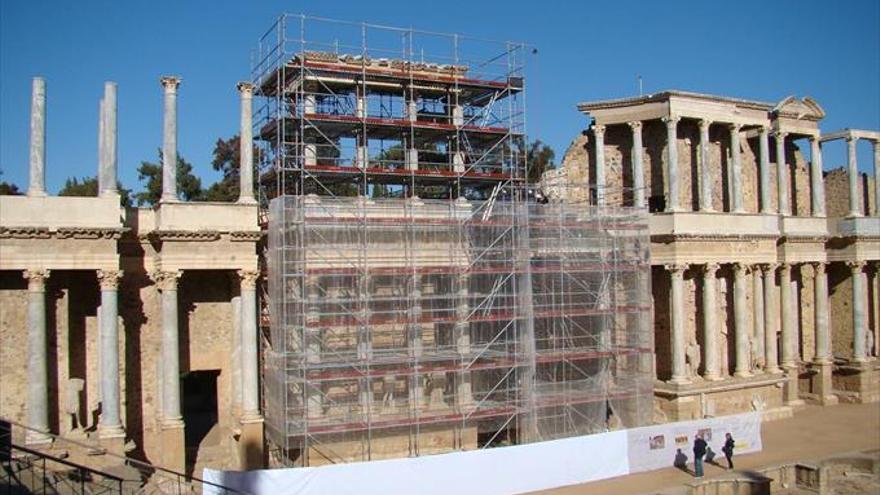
[837, 193]
[840, 308]
[13, 343]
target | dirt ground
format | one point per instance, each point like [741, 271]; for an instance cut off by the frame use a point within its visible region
[813, 433]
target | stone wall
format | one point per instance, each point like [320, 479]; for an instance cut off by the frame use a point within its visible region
[837, 193]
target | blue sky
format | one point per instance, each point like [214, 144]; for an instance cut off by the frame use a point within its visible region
[763, 50]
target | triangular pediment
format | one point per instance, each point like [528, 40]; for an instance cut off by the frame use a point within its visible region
[804, 108]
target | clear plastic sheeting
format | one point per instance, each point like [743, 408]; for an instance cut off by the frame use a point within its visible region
[406, 327]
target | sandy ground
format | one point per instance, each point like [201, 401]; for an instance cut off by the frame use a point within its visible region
[813, 433]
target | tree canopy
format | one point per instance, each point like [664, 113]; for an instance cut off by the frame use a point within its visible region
[189, 187]
[540, 158]
[88, 186]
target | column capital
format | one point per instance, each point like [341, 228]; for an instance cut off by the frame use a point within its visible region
[676, 268]
[814, 139]
[734, 127]
[245, 88]
[780, 134]
[248, 278]
[170, 83]
[36, 279]
[764, 129]
[109, 279]
[710, 268]
[853, 140]
[635, 125]
[769, 267]
[742, 267]
[671, 120]
[855, 266]
[818, 266]
[705, 124]
[166, 280]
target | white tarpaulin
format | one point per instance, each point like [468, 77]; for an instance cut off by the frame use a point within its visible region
[504, 470]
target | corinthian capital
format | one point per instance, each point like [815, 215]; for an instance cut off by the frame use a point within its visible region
[245, 88]
[635, 125]
[109, 279]
[166, 280]
[170, 83]
[856, 266]
[248, 278]
[670, 121]
[675, 268]
[36, 279]
[598, 130]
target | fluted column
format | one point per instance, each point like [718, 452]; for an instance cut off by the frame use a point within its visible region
[676, 274]
[823, 330]
[764, 153]
[599, 138]
[711, 363]
[705, 168]
[638, 164]
[246, 141]
[111, 419]
[169, 139]
[771, 308]
[250, 398]
[858, 304]
[788, 323]
[107, 172]
[736, 160]
[782, 174]
[673, 199]
[167, 284]
[817, 182]
[37, 360]
[37, 184]
[740, 320]
[758, 318]
[853, 171]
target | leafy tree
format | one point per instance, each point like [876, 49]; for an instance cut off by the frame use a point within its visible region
[9, 189]
[88, 186]
[227, 160]
[540, 158]
[189, 187]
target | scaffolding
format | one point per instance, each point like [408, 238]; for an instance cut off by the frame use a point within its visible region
[420, 299]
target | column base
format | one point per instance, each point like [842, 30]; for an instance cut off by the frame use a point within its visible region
[248, 200]
[773, 371]
[250, 444]
[742, 374]
[713, 378]
[173, 445]
[112, 440]
[790, 389]
[37, 439]
[679, 380]
[821, 383]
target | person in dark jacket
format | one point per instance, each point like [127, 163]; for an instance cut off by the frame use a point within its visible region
[728, 449]
[699, 452]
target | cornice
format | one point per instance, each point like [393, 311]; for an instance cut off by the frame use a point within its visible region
[670, 238]
[85, 233]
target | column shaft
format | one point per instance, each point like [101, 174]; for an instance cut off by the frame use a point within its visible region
[858, 304]
[679, 373]
[876, 178]
[823, 331]
[764, 152]
[853, 172]
[757, 349]
[638, 164]
[111, 419]
[782, 175]
[37, 360]
[250, 390]
[169, 140]
[102, 118]
[710, 326]
[771, 307]
[246, 150]
[736, 163]
[167, 282]
[37, 185]
[705, 168]
[107, 174]
[599, 138]
[740, 321]
[788, 323]
[672, 199]
[817, 182]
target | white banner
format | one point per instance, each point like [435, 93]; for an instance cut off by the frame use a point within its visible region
[504, 470]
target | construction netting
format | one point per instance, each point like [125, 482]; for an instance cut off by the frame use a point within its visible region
[406, 327]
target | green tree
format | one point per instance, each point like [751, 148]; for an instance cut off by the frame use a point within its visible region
[88, 186]
[189, 187]
[227, 160]
[8, 188]
[540, 158]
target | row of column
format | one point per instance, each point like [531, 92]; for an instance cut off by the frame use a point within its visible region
[110, 424]
[673, 201]
[765, 310]
[855, 208]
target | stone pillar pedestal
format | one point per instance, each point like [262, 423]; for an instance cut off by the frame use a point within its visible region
[821, 383]
[173, 445]
[250, 444]
[857, 382]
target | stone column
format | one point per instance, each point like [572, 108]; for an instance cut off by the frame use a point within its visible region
[876, 178]
[169, 139]
[676, 313]
[171, 421]
[770, 328]
[672, 199]
[311, 335]
[859, 314]
[711, 363]
[111, 418]
[817, 183]
[638, 164]
[758, 316]
[37, 184]
[37, 360]
[782, 174]
[461, 333]
[788, 323]
[823, 330]
[599, 138]
[740, 320]
[251, 440]
[764, 152]
[853, 172]
[246, 150]
[705, 168]
[107, 174]
[736, 160]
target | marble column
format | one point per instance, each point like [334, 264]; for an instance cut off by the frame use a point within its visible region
[711, 364]
[758, 317]
[250, 390]
[167, 284]
[705, 168]
[638, 164]
[599, 139]
[788, 323]
[37, 359]
[37, 184]
[107, 173]
[169, 139]
[853, 172]
[111, 418]
[876, 145]
[311, 336]
[823, 330]
[764, 173]
[782, 174]
[771, 308]
[859, 314]
[817, 182]
[246, 149]
[736, 166]
[676, 327]
[673, 199]
[740, 314]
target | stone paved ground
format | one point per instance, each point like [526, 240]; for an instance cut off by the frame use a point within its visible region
[813, 433]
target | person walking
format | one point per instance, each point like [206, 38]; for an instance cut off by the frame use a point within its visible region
[699, 452]
[728, 449]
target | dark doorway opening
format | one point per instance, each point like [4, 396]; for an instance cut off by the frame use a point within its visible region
[199, 409]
